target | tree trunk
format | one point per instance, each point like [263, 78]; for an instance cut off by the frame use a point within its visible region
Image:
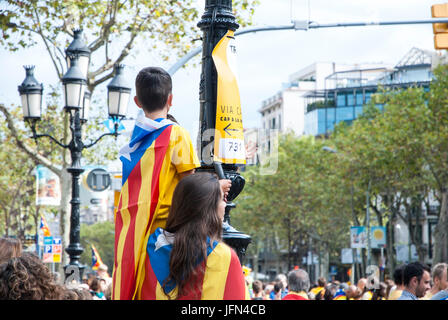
[440, 232]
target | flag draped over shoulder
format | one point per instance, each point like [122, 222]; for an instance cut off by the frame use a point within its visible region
[44, 226]
[340, 295]
[96, 259]
[223, 278]
[144, 158]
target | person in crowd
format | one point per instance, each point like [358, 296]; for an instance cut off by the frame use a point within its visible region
[353, 292]
[366, 293]
[257, 290]
[9, 248]
[104, 275]
[27, 278]
[298, 285]
[320, 289]
[397, 290]
[389, 285]
[276, 294]
[330, 291]
[380, 293]
[76, 292]
[284, 286]
[340, 292]
[96, 290]
[439, 279]
[188, 259]
[267, 290]
[417, 281]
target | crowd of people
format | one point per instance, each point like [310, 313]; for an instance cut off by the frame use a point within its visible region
[23, 276]
[413, 281]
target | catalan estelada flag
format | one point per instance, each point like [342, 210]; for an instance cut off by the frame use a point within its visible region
[340, 295]
[44, 226]
[96, 259]
[158, 152]
[223, 278]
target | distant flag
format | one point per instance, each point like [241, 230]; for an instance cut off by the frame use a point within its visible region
[44, 226]
[110, 125]
[96, 259]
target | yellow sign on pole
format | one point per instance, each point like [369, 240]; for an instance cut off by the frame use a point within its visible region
[229, 136]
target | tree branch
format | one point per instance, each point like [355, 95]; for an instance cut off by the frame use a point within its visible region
[35, 156]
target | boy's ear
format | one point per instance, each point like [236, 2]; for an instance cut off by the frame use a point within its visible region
[169, 101]
[137, 102]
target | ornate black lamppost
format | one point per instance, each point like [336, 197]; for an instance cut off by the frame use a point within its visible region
[215, 22]
[76, 104]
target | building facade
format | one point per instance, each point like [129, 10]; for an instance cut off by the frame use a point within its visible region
[351, 90]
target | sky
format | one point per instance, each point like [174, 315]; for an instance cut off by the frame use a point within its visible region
[266, 59]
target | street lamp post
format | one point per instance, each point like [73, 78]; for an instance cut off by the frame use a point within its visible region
[76, 104]
[215, 22]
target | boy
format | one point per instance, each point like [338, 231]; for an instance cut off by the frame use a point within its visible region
[159, 154]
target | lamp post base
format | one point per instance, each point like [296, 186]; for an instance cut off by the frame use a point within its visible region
[236, 240]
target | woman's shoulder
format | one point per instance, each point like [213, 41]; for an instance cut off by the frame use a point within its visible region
[223, 251]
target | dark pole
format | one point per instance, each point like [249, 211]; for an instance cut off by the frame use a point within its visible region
[75, 146]
[215, 22]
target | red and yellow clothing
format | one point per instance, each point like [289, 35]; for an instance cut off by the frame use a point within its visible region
[223, 278]
[292, 295]
[152, 162]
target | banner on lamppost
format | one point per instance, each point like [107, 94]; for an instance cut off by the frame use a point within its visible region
[229, 136]
[48, 188]
[378, 237]
[358, 237]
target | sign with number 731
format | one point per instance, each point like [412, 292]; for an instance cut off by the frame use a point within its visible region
[229, 135]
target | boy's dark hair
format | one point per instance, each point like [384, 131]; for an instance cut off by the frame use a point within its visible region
[414, 269]
[257, 286]
[153, 85]
[398, 275]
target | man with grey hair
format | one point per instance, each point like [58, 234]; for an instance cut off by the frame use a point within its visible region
[298, 285]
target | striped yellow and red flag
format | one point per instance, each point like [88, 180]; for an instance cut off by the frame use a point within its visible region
[44, 226]
[223, 278]
[96, 259]
[159, 150]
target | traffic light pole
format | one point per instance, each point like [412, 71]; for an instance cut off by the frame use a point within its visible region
[304, 26]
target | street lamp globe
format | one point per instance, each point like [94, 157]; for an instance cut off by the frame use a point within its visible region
[118, 94]
[31, 95]
[74, 85]
[79, 48]
[85, 107]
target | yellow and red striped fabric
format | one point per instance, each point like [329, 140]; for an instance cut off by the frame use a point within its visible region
[157, 153]
[223, 278]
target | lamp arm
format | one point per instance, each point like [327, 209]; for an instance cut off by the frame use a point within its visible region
[115, 133]
[38, 136]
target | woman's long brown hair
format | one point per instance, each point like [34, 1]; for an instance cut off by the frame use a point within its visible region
[193, 217]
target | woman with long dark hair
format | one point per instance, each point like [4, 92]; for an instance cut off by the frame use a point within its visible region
[187, 259]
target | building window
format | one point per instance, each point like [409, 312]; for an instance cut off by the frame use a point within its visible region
[341, 102]
[350, 99]
[359, 100]
[280, 122]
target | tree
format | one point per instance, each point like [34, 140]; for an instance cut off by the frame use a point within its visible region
[299, 202]
[101, 235]
[113, 29]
